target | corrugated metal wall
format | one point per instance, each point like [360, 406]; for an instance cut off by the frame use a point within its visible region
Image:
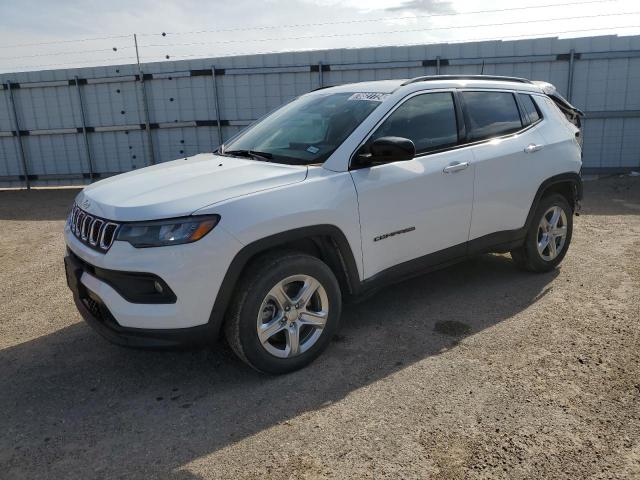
[68, 126]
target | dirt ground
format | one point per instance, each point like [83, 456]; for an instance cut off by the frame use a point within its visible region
[542, 381]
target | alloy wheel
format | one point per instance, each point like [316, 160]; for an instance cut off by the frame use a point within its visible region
[292, 316]
[552, 233]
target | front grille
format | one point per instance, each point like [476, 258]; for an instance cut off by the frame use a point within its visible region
[93, 231]
[93, 307]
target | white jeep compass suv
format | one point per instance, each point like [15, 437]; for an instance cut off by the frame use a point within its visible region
[337, 192]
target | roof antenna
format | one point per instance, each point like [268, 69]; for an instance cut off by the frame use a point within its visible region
[482, 69]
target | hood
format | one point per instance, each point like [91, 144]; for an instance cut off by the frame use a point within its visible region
[180, 187]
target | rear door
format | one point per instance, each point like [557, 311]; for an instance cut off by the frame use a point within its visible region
[507, 145]
[414, 208]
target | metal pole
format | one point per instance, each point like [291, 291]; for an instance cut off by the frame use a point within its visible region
[572, 55]
[19, 137]
[217, 103]
[145, 103]
[438, 65]
[320, 74]
[84, 130]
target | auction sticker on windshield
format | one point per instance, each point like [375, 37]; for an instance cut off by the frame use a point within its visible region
[370, 96]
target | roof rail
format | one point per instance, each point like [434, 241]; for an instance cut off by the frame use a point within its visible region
[321, 88]
[497, 78]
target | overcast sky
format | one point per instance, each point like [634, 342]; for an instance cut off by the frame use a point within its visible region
[85, 33]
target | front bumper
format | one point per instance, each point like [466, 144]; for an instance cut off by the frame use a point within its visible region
[193, 271]
[98, 316]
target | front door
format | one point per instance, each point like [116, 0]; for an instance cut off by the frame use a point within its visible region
[414, 208]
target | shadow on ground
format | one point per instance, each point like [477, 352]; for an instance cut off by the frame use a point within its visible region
[74, 405]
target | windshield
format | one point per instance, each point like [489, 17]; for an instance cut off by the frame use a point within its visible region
[306, 130]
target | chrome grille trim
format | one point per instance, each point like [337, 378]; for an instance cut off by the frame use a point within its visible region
[84, 227]
[105, 244]
[81, 216]
[74, 217]
[94, 232]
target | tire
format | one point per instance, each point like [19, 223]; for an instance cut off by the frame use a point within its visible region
[264, 320]
[537, 253]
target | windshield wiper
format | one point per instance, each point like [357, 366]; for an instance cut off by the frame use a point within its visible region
[262, 156]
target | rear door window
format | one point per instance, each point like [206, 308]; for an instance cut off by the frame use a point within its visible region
[429, 120]
[491, 114]
[530, 107]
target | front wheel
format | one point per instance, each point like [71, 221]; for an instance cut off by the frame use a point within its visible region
[548, 237]
[286, 310]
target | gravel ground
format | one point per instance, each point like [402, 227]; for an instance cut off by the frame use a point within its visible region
[541, 380]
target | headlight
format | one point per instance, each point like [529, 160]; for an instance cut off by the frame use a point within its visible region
[167, 232]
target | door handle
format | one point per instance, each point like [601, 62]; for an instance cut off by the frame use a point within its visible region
[532, 148]
[455, 167]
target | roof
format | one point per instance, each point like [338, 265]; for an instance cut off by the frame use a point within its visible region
[378, 86]
[490, 78]
[438, 81]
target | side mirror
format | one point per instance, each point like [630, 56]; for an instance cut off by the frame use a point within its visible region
[389, 149]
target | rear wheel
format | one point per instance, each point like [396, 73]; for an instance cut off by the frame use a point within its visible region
[285, 312]
[548, 237]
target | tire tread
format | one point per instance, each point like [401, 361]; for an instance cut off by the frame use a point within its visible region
[252, 273]
[526, 257]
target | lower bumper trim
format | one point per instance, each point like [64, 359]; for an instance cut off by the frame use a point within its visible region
[143, 337]
[98, 316]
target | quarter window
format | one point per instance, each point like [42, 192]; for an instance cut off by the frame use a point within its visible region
[530, 107]
[491, 114]
[429, 120]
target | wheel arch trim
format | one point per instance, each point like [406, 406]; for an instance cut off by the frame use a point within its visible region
[340, 244]
[570, 178]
